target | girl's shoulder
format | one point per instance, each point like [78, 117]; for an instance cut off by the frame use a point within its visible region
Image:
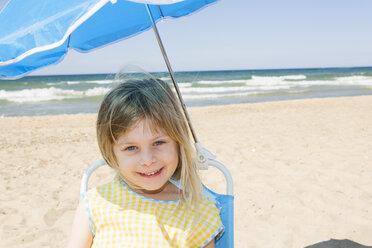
[106, 190]
[106, 186]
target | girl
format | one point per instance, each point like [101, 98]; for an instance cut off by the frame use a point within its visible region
[156, 199]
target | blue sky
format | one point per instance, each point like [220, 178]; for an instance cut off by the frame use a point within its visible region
[243, 34]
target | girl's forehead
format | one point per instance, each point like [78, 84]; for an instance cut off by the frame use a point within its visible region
[144, 126]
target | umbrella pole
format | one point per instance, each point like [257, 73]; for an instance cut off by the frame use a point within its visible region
[171, 73]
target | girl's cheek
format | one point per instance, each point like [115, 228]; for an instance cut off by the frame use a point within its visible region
[163, 153]
[126, 160]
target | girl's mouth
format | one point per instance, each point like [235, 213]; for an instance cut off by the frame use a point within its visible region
[151, 174]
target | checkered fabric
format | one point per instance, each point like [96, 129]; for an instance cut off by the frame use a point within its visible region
[122, 218]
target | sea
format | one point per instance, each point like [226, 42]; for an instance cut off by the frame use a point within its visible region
[75, 94]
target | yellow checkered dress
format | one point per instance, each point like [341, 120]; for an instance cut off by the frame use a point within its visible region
[122, 218]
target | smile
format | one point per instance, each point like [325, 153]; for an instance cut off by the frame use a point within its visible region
[151, 173]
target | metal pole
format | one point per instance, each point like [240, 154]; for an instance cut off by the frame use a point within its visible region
[171, 72]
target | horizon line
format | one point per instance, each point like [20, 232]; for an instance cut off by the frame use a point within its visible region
[224, 70]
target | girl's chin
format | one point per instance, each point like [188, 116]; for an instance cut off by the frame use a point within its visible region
[153, 190]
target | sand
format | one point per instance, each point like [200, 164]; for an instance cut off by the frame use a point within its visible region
[302, 171]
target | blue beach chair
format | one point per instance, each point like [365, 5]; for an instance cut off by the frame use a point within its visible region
[226, 202]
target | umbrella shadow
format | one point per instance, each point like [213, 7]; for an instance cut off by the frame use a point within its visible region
[335, 243]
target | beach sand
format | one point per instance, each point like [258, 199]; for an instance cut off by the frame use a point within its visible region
[302, 171]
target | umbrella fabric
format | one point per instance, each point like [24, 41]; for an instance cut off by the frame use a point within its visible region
[37, 33]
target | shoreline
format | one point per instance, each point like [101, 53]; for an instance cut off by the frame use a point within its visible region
[203, 106]
[301, 171]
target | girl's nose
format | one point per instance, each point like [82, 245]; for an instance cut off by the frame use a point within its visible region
[147, 157]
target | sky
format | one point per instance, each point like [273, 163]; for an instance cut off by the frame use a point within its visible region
[243, 34]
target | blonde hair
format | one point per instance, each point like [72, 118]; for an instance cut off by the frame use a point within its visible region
[153, 100]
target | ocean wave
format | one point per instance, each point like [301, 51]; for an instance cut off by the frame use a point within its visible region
[63, 82]
[276, 83]
[48, 94]
[278, 80]
[355, 80]
[72, 82]
[183, 85]
[340, 81]
[80, 82]
[221, 82]
[281, 78]
[294, 77]
[239, 94]
[282, 81]
[194, 90]
[215, 96]
[216, 89]
[165, 78]
[99, 91]
[107, 81]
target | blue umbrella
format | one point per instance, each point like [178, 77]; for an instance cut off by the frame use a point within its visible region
[38, 33]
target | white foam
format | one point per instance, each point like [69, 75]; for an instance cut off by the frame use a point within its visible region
[52, 84]
[354, 80]
[81, 82]
[99, 91]
[222, 82]
[214, 96]
[48, 94]
[273, 81]
[293, 77]
[341, 81]
[281, 78]
[36, 95]
[281, 81]
[107, 81]
[216, 89]
[233, 89]
[183, 85]
[90, 82]
[73, 82]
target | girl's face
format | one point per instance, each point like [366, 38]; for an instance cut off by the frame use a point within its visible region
[145, 158]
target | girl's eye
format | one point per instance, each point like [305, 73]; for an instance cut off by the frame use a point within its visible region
[130, 148]
[159, 142]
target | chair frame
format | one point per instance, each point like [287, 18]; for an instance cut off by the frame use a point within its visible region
[211, 162]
